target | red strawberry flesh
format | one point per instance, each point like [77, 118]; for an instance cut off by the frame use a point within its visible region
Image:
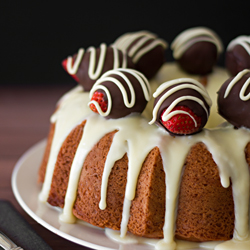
[182, 124]
[64, 64]
[100, 98]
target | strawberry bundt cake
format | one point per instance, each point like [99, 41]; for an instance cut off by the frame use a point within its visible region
[138, 148]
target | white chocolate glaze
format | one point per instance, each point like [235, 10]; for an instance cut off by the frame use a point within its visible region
[122, 73]
[63, 128]
[136, 138]
[191, 36]
[95, 68]
[139, 48]
[244, 41]
[237, 78]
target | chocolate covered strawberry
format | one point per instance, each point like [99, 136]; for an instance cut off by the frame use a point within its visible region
[87, 66]
[234, 99]
[146, 49]
[197, 50]
[181, 106]
[120, 92]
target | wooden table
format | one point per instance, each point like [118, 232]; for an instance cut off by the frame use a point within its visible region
[24, 120]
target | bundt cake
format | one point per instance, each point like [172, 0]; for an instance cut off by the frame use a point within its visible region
[153, 158]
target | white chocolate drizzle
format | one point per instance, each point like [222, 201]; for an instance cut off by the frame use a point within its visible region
[139, 48]
[244, 41]
[191, 36]
[95, 68]
[191, 84]
[136, 138]
[122, 73]
[63, 127]
[237, 78]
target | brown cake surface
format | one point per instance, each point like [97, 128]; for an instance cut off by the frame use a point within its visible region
[62, 168]
[206, 209]
[42, 169]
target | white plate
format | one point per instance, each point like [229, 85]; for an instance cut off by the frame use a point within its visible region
[26, 190]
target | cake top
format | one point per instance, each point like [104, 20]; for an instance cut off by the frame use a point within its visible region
[116, 92]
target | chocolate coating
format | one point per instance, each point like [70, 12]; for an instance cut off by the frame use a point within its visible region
[237, 59]
[119, 109]
[200, 58]
[232, 108]
[151, 48]
[82, 74]
[151, 62]
[194, 106]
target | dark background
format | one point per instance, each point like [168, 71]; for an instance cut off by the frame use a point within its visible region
[36, 36]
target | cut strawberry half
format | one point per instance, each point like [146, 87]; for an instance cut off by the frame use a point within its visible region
[182, 124]
[99, 97]
[64, 64]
